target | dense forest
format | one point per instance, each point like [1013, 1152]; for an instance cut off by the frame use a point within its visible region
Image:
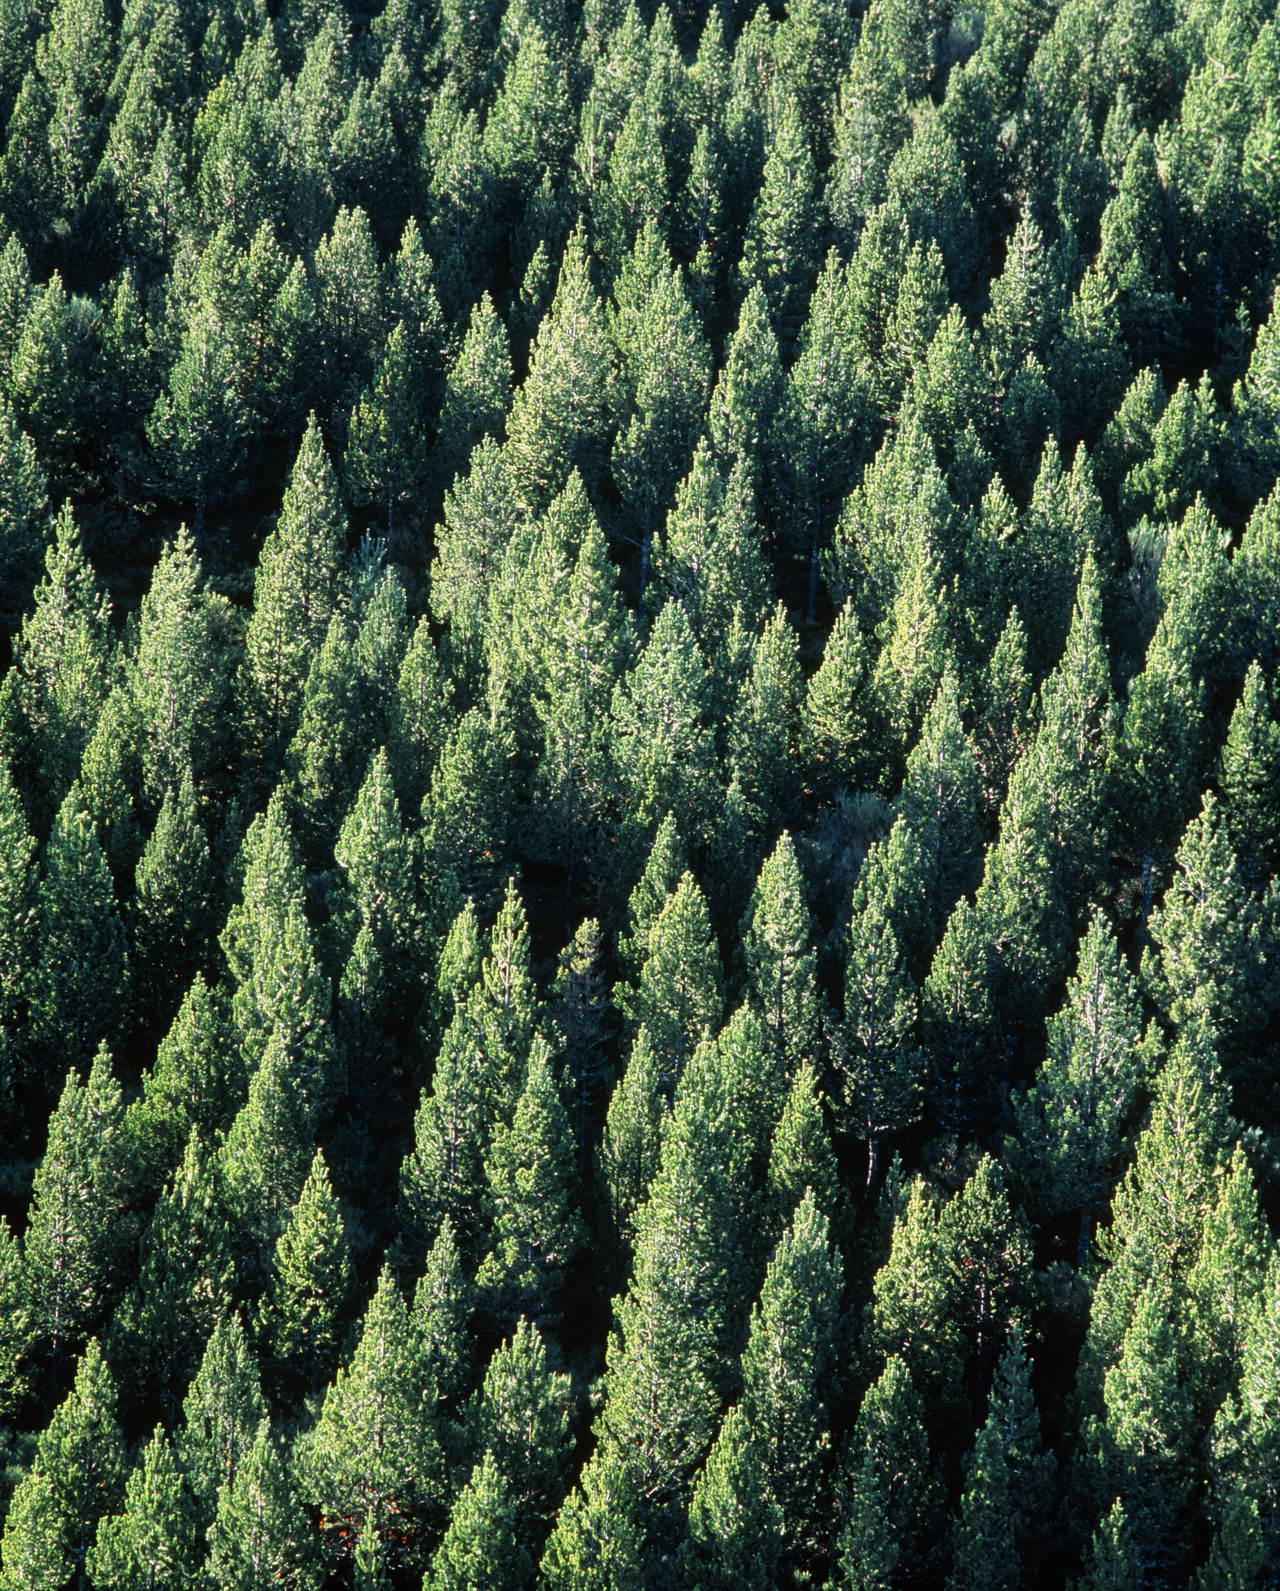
[639, 795]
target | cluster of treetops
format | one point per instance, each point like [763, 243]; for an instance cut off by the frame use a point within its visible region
[667, 977]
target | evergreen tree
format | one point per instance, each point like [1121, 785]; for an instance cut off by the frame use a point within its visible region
[522, 1420]
[786, 1366]
[78, 1476]
[780, 248]
[631, 1148]
[1250, 779]
[735, 1524]
[154, 1539]
[889, 1520]
[186, 1278]
[780, 964]
[385, 458]
[477, 393]
[801, 1159]
[221, 1417]
[312, 1287]
[442, 1305]
[171, 912]
[1007, 1481]
[296, 591]
[530, 1175]
[480, 1548]
[77, 1232]
[678, 998]
[260, 1534]
[371, 1464]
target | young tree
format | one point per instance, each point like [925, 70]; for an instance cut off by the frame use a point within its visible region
[297, 589]
[77, 1232]
[522, 1419]
[78, 1476]
[372, 1464]
[173, 893]
[480, 1550]
[781, 967]
[153, 1542]
[306, 1313]
[260, 1534]
[222, 1413]
[678, 998]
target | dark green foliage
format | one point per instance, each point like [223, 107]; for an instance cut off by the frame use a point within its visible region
[718, 705]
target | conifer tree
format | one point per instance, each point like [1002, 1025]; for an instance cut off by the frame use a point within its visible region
[78, 1476]
[76, 1231]
[84, 964]
[679, 996]
[801, 1159]
[442, 1176]
[530, 1172]
[372, 1464]
[18, 905]
[420, 716]
[222, 1412]
[1251, 779]
[480, 1549]
[312, 1287]
[877, 1051]
[154, 1540]
[522, 1420]
[1007, 1481]
[62, 672]
[15, 1325]
[748, 394]
[296, 591]
[780, 248]
[662, 873]
[891, 1491]
[735, 1524]
[835, 731]
[780, 964]
[442, 1304]
[173, 893]
[260, 1533]
[786, 1369]
[559, 417]
[185, 1282]
[197, 1081]
[663, 748]
[631, 1148]
[385, 457]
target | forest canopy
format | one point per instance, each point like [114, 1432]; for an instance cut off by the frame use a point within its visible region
[639, 795]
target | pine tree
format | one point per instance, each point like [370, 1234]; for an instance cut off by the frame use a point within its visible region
[876, 1044]
[221, 1417]
[663, 871]
[780, 964]
[77, 1477]
[735, 1524]
[477, 393]
[891, 1504]
[171, 911]
[780, 248]
[421, 716]
[296, 591]
[663, 748]
[530, 1172]
[749, 390]
[62, 674]
[175, 678]
[522, 1420]
[77, 1229]
[801, 1159]
[835, 732]
[197, 1081]
[442, 1304]
[15, 1325]
[260, 1534]
[312, 1287]
[24, 508]
[1007, 1483]
[559, 417]
[631, 1148]
[186, 1279]
[1251, 778]
[154, 1540]
[371, 1464]
[18, 905]
[786, 1369]
[442, 1176]
[1071, 1123]
[678, 998]
[327, 754]
[266, 1153]
[385, 457]
[939, 801]
[480, 1550]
